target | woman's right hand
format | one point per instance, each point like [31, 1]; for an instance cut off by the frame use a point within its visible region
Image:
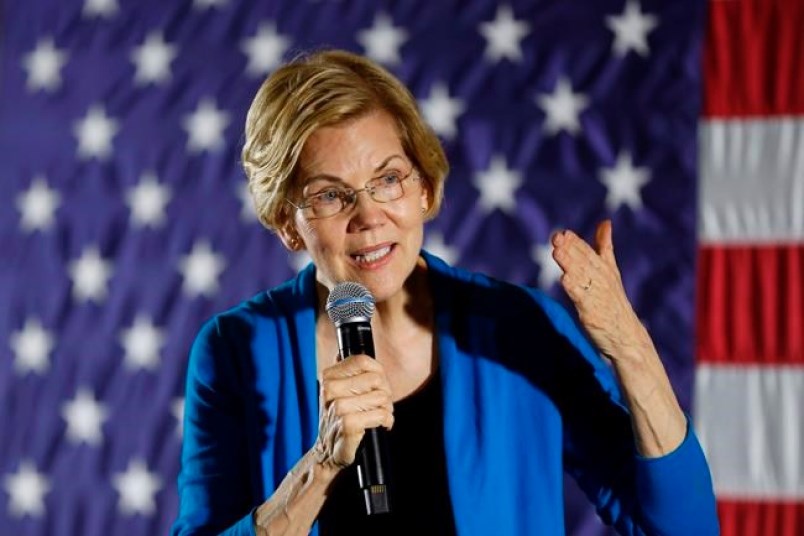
[355, 396]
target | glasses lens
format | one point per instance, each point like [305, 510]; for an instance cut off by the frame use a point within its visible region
[386, 188]
[326, 203]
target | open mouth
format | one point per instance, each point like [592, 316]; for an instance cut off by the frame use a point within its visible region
[373, 256]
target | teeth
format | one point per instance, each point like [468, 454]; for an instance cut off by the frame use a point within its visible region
[374, 255]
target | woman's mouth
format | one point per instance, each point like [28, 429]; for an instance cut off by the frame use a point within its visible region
[372, 257]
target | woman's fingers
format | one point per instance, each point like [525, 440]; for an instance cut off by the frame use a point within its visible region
[355, 396]
[358, 423]
[577, 260]
[571, 252]
[605, 245]
[580, 262]
[363, 403]
[354, 376]
[352, 366]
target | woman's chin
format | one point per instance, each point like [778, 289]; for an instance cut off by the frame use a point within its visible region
[381, 290]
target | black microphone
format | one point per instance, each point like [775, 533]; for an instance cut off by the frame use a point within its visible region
[350, 307]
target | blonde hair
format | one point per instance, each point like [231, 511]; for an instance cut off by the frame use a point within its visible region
[320, 89]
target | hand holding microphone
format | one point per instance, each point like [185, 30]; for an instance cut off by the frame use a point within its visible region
[356, 397]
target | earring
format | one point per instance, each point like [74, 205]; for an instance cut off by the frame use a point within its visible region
[293, 241]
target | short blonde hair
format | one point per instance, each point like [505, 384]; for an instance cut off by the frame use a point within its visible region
[320, 89]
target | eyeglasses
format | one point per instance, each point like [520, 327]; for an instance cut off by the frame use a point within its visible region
[333, 200]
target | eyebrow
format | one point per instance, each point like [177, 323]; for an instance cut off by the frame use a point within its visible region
[326, 176]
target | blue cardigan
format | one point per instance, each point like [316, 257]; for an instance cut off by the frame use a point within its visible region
[525, 397]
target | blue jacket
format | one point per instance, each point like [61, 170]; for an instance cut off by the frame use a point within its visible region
[525, 397]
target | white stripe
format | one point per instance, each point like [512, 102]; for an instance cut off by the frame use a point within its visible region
[751, 180]
[750, 422]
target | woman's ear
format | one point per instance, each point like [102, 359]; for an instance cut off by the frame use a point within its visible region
[425, 197]
[290, 238]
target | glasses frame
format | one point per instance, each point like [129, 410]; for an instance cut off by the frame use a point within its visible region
[348, 195]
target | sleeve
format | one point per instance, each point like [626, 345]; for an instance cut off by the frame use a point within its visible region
[214, 485]
[669, 495]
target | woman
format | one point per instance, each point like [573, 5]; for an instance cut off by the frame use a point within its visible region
[488, 389]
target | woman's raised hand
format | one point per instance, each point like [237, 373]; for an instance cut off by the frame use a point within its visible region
[592, 281]
[355, 396]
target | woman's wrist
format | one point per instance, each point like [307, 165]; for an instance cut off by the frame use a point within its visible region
[324, 473]
[325, 470]
[295, 504]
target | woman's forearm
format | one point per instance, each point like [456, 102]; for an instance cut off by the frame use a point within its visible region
[295, 505]
[657, 419]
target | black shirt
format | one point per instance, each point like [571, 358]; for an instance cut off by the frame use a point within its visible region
[418, 488]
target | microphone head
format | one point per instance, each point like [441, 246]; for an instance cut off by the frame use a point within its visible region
[350, 302]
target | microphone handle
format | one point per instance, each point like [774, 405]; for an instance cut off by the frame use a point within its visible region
[372, 454]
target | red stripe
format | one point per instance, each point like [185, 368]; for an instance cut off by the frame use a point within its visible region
[755, 518]
[754, 58]
[750, 304]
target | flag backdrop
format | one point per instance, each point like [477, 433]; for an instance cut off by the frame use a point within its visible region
[124, 221]
[749, 396]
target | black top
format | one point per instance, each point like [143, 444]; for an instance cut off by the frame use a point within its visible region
[419, 493]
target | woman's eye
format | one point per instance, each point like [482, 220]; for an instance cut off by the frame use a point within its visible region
[327, 196]
[391, 178]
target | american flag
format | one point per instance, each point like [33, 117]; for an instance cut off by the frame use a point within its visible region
[125, 222]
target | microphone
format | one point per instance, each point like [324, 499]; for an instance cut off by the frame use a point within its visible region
[350, 306]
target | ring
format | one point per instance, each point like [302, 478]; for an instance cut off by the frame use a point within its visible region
[588, 285]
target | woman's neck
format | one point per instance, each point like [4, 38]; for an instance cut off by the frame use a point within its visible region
[411, 305]
[402, 332]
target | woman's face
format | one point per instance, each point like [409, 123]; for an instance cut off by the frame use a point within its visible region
[376, 244]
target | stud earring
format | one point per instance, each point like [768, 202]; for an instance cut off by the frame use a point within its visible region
[293, 241]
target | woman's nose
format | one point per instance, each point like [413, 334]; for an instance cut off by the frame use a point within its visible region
[366, 213]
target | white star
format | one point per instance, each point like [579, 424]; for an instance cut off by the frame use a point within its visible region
[32, 346]
[26, 489]
[95, 132]
[84, 416]
[90, 274]
[503, 35]
[299, 260]
[435, 244]
[152, 59]
[562, 107]
[441, 111]
[247, 211]
[631, 29]
[264, 50]
[382, 41]
[100, 8]
[44, 66]
[549, 270]
[497, 186]
[201, 269]
[137, 487]
[142, 343]
[37, 205]
[177, 410]
[147, 201]
[624, 181]
[206, 4]
[205, 127]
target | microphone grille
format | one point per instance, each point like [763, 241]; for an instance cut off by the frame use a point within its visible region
[350, 302]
